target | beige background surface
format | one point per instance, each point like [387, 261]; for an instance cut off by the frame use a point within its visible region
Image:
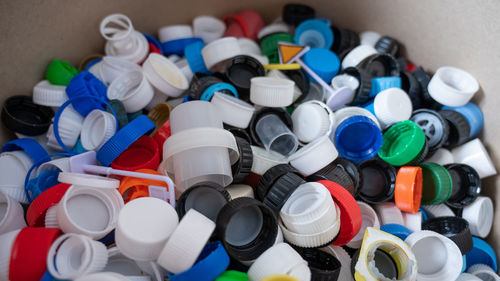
[464, 34]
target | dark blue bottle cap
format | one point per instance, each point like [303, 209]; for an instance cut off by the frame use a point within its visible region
[86, 84]
[481, 253]
[176, 47]
[358, 138]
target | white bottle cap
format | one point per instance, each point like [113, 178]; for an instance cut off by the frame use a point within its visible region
[314, 156]
[47, 94]
[483, 272]
[174, 32]
[110, 68]
[6, 243]
[248, 46]
[60, 164]
[208, 28]
[183, 65]
[442, 156]
[273, 28]
[480, 216]
[345, 261]
[234, 112]
[164, 75]
[74, 255]
[438, 257]
[370, 219]
[346, 112]
[467, 277]
[264, 160]
[279, 259]
[132, 89]
[391, 106]
[69, 128]
[14, 167]
[51, 217]
[297, 92]
[357, 55]
[271, 92]
[186, 242]
[158, 97]
[345, 80]
[88, 180]
[452, 86]
[89, 211]
[389, 213]
[436, 211]
[312, 120]
[220, 50]
[103, 276]
[143, 227]
[98, 127]
[240, 190]
[474, 154]
[369, 38]
[413, 221]
[11, 214]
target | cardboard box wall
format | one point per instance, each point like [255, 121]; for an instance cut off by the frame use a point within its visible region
[465, 34]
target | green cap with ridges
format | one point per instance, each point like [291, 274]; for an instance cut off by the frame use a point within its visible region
[60, 73]
[232, 275]
[437, 184]
[402, 143]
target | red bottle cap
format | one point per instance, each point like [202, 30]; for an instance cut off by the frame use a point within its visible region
[142, 154]
[246, 23]
[35, 216]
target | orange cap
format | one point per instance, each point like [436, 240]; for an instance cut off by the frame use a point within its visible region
[132, 188]
[408, 193]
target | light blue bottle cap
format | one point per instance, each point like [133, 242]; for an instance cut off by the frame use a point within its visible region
[474, 116]
[323, 62]
[315, 33]
[383, 83]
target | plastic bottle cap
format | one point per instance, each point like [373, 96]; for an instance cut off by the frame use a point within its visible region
[314, 156]
[391, 106]
[243, 166]
[341, 171]
[241, 69]
[481, 253]
[483, 272]
[164, 75]
[132, 188]
[474, 154]
[370, 219]
[437, 184]
[387, 45]
[434, 126]
[349, 111]
[234, 112]
[345, 80]
[315, 33]
[408, 190]
[21, 115]
[6, 243]
[388, 213]
[208, 198]
[402, 143]
[272, 29]
[97, 128]
[208, 28]
[192, 233]
[312, 120]
[110, 68]
[323, 62]
[275, 135]
[467, 277]
[466, 185]
[11, 214]
[69, 126]
[357, 55]
[246, 23]
[479, 214]
[442, 156]
[381, 65]
[60, 72]
[279, 259]
[294, 14]
[473, 114]
[362, 94]
[35, 216]
[240, 190]
[269, 45]
[15, 165]
[144, 153]
[132, 89]
[378, 182]
[88, 180]
[248, 46]
[74, 255]
[369, 38]
[271, 92]
[437, 256]
[47, 94]
[282, 188]
[437, 211]
[323, 265]
[396, 229]
[174, 32]
[220, 50]
[455, 228]
[413, 221]
[452, 86]
[143, 227]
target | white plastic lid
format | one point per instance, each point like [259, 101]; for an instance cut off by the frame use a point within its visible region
[357, 55]
[88, 180]
[183, 65]
[312, 120]
[314, 156]
[143, 227]
[103, 276]
[271, 92]
[413, 221]
[391, 106]
[234, 112]
[480, 215]
[240, 190]
[6, 243]
[345, 80]
[452, 86]
[346, 112]
[264, 160]
[467, 277]
[14, 166]
[370, 219]
[164, 75]
[273, 28]
[182, 117]
[186, 242]
[369, 38]
[440, 210]
[248, 46]
[220, 50]
[474, 154]
[98, 127]
[11, 214]
[110, 68]
[208, 28]
[297, 92]
[174, 32]
[442, 156]
[389, 213]
[47, 94]
[438, 257]
[70, 126]
[132, 89]
[483, 272]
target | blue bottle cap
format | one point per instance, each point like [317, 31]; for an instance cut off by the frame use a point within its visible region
[481, 253]
[383, 83]
[323, 62]
[396, 230]
[86, 84]
[474, 116]
[151, 39]
[358, 138]
[315, 33]
[34, 150]
[176, 47]
[44, 181]
[192, 52]
[91, 63]
[425, 216]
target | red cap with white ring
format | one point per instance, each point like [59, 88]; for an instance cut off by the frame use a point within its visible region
[132, 89]
[98, 127]
[220, 50]
[474, 154]
[480, 216]
[314, 156]
[110, 68]
[452, 86]
[312, 120]
[391, 106]
[35, 216]
[389, 213]
[47, 94]
[442, 156]
[357, 55]
[208, 28]
[413, 221]
[264, 160]
[6, 243]
[164, 75]
[74, 255]
[370, 219]
[271, 92]
[234, 112]
[174, 32]
[143, 227]
[369, 38]
[11, 214]
[438, 257]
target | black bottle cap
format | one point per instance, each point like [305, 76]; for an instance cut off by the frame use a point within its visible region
[455, 228]
[200, 83]
[300, 80]
[458, 125]
[434, 126]
[278, 111]
[294, 14]
[387, 45]
[381, 65]
[21, 115]
[365, 85]
[238, 132]
[379, 179]
[243, 166]
[281, 190]
[337, 173]
[208, 198]
[240, 69]
[411, 86]
[466, 185]
[270, 177]
[423, 79]
[344, 39]
[323, 266]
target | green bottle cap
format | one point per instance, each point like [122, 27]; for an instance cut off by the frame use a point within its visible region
[232, 275]
[60, 72]
[437, 184]
[402, 143]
